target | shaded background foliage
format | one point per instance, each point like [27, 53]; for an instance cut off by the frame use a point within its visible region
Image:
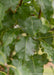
[26, 26]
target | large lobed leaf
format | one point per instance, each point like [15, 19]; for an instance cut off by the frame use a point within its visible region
[25, 48]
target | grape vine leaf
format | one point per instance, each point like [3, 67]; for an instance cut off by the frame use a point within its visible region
[35, 65]
[25, 48]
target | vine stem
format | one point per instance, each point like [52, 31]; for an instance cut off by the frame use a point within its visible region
[20, 2]
[18, 5]
[39, 16]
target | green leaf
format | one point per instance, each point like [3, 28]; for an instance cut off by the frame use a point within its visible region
[2, 13]
[15, 62]
[37, 44]
[9, 3]
[8, 38]
[44, 29]
[9, 20]
[6, 50]
[47, 37]
[32, 25]
[2, 73]
[35, 65]
[25, 48]
[21, 53]
[47, 48]
[46, 7]
[2, 59]
[23, 12]
[22, 70]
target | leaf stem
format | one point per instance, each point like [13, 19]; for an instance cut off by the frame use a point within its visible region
[39, 16]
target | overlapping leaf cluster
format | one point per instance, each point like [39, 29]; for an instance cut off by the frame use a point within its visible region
[26, 27]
